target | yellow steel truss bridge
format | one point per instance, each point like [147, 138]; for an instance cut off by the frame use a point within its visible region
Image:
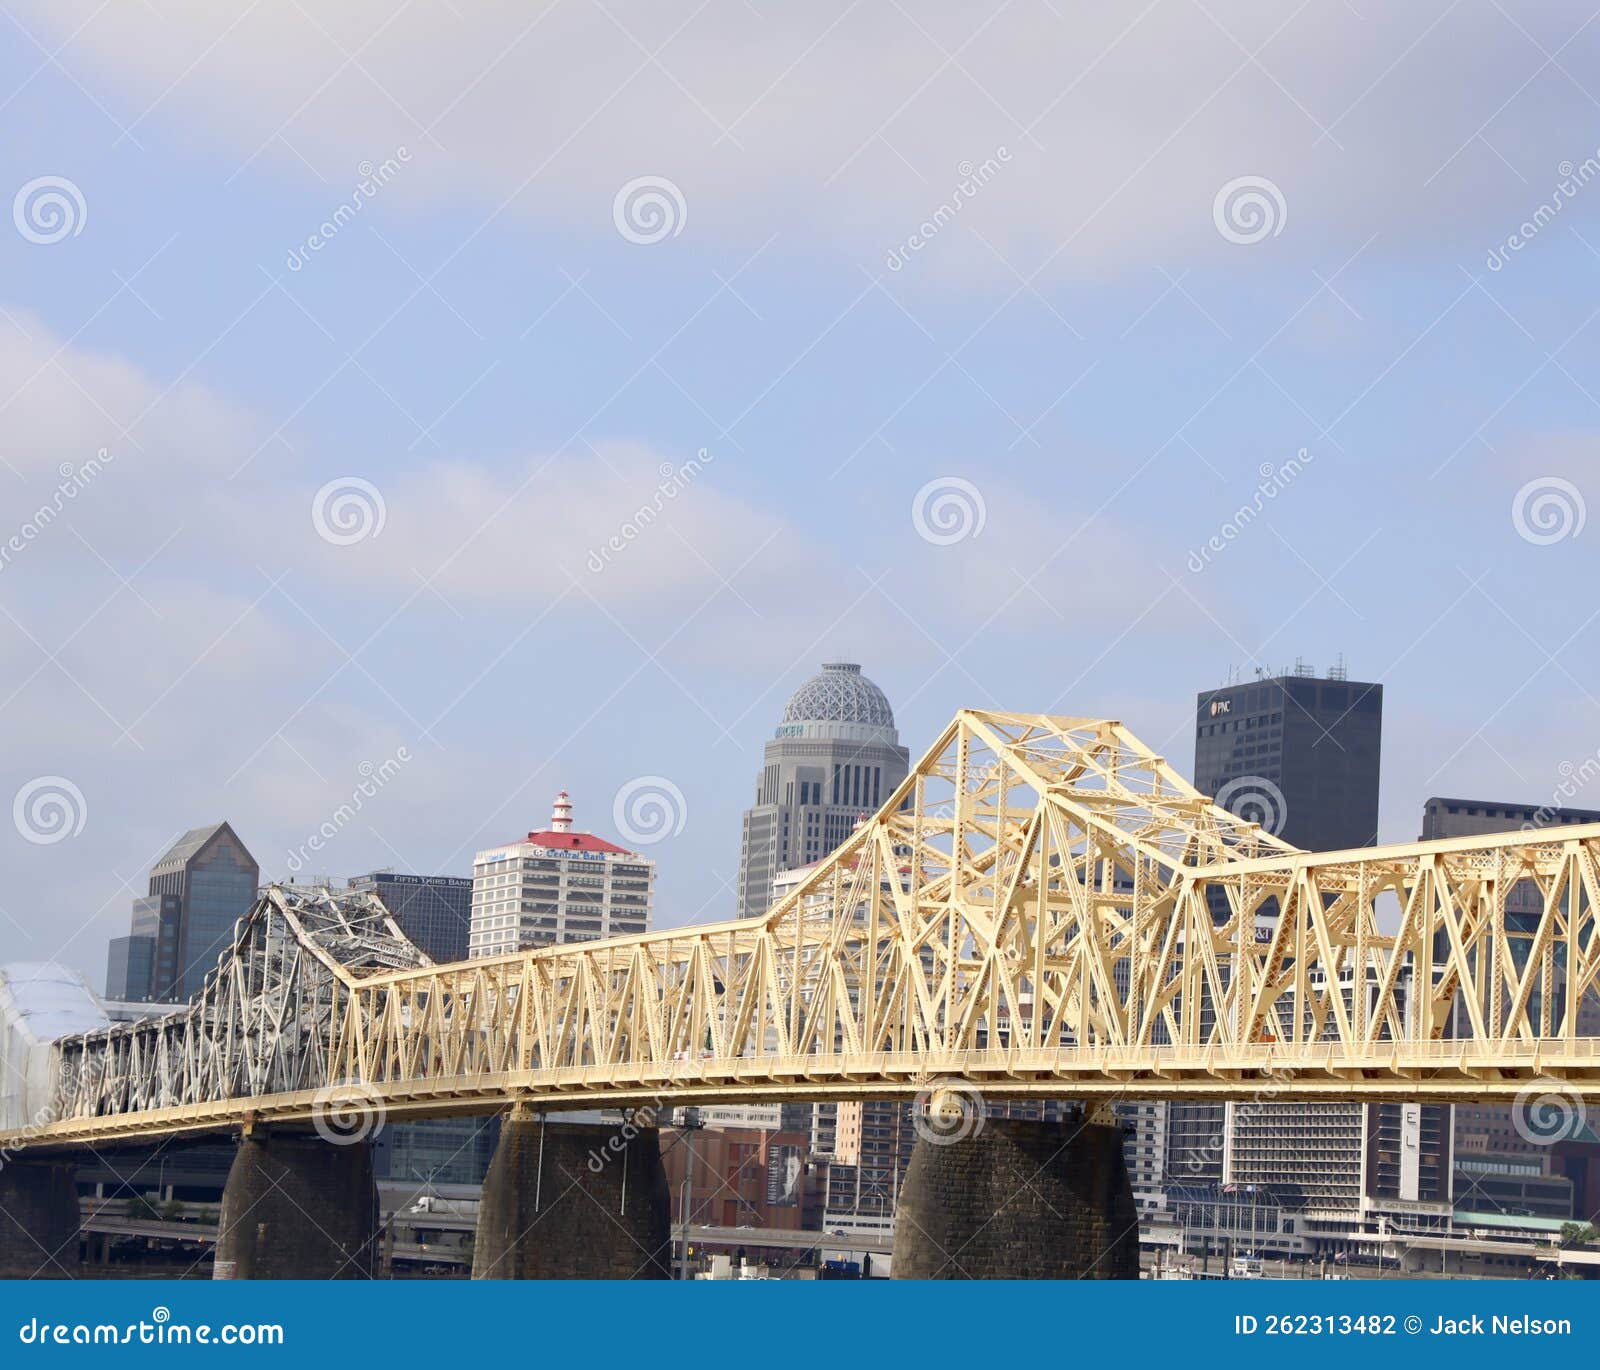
[1043, 908]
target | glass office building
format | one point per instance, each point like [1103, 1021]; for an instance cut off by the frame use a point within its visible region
[198, 890]
[434, 911]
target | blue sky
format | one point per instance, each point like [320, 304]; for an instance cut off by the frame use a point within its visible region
[1089, 340]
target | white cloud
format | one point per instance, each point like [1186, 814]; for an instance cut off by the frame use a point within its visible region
[850, 122]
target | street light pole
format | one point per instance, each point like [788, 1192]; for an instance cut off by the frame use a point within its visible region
[690, 1123]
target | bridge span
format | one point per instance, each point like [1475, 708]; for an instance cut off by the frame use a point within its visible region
[1043, 908]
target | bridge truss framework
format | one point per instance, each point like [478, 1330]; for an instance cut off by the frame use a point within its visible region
[1044, 908]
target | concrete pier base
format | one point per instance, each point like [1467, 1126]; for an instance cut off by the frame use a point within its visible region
[39, 1220]
[1018, 1200]
[571, 1201]
[297, 1207]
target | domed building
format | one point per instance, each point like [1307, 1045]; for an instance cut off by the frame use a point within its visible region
[835, 755]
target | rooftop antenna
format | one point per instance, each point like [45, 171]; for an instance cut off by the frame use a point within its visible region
[1303, 668]
[1337, 670]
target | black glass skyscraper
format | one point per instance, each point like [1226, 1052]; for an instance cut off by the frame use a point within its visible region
[1295, 753]
[1298, 754]
[434, 911]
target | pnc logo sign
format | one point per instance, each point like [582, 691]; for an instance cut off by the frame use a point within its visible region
[1221, 706]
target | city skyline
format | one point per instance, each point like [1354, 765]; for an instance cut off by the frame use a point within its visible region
[664, 806]
[962, 369]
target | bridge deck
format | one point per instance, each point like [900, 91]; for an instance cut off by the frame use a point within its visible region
[1043, 909]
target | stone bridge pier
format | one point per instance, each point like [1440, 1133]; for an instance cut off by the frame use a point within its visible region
[1011, 1199]
[297, 1206]
[39, 1219]
[566, 1200]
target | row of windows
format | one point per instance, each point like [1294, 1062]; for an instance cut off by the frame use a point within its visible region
[857, 785]
[1234, 725]
[551, 863]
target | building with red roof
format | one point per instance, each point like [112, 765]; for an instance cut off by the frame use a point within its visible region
[558, 885]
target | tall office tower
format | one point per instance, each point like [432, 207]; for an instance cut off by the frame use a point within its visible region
[1299, 755]
[198, 890]
[434, 911]
[1495, 1167]
[834, 756]
[557, 885]
[204, 884]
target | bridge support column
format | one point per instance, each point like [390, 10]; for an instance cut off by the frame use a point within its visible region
[39, 1220]
[572, 1201]
[1018, 1200]
[296, 1207]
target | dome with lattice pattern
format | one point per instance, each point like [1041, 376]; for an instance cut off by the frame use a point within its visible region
[840, 694]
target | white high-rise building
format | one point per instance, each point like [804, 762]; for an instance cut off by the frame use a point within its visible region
[558, 885]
